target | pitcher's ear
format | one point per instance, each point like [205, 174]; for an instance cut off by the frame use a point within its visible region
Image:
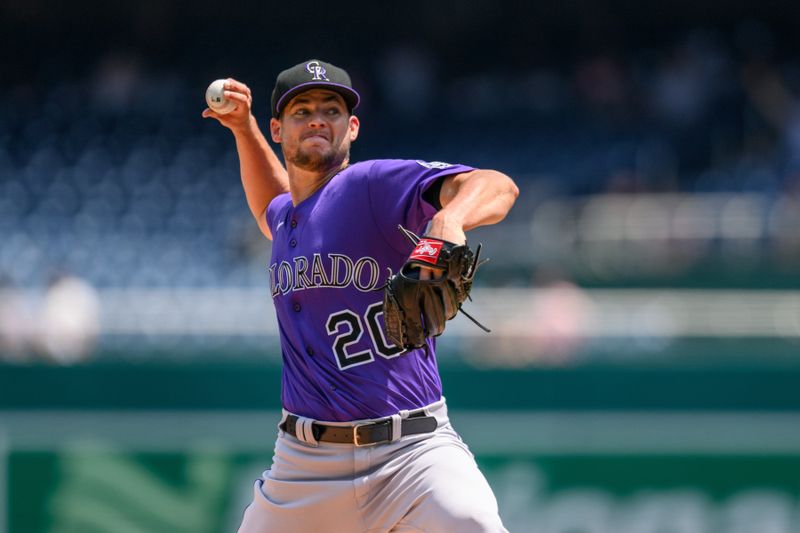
[354, 125]
[275, 130]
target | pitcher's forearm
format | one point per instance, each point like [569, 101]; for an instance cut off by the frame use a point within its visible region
[472, 199]
[263, 175]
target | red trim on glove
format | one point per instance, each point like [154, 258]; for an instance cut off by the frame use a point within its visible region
[427, 250]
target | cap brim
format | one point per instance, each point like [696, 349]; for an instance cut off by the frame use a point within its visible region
[351, 97]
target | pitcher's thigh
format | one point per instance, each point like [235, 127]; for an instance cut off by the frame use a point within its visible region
[301, 507]
[449, 493]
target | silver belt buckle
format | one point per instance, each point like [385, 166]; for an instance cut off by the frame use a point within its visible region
[355, 434]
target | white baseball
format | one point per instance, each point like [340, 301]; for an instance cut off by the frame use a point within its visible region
[215, 98]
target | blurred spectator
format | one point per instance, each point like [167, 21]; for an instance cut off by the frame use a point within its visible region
[550, 330]
[777, 106]
[687, 81]
[70, 320]
[559, 318]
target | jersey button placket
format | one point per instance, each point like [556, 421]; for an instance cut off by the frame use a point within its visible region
[293, 225]
[296, 307]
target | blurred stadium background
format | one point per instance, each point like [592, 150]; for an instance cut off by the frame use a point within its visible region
[644, 372]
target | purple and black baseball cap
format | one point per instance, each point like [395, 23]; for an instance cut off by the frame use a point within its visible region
[312, 74]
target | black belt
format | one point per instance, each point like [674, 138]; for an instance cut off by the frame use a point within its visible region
[367, 433]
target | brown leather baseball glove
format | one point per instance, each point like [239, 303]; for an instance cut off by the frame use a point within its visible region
[415, 309]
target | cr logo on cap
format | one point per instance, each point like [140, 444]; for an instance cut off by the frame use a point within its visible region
[316, 70]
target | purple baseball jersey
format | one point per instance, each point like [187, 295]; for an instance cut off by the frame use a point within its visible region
[331, 254]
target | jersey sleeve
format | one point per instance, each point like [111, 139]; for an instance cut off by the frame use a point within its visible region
[396, 190]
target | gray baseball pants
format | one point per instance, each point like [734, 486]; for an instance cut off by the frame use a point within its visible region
[420, 483]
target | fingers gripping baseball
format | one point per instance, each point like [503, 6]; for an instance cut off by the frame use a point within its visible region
[240, 94]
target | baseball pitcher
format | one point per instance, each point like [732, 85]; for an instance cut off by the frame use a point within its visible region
[369, 261]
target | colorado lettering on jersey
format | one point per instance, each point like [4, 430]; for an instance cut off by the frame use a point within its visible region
[335, 271]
